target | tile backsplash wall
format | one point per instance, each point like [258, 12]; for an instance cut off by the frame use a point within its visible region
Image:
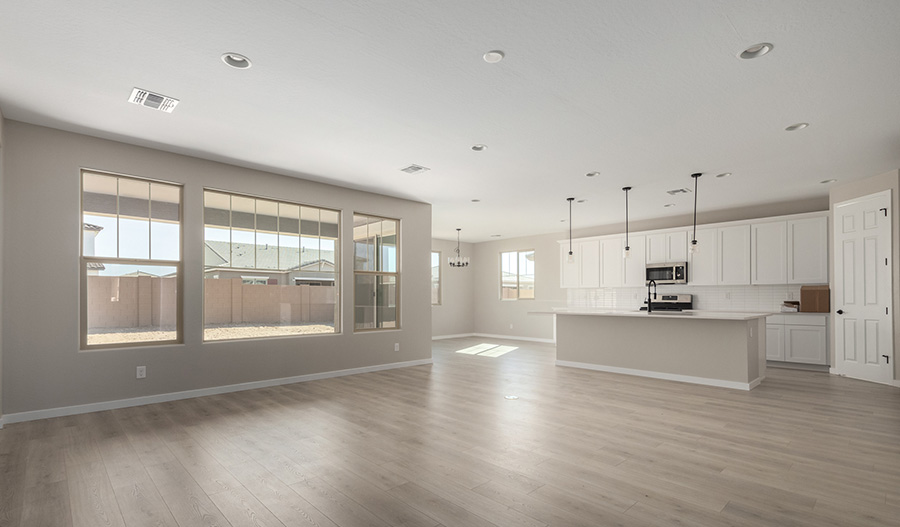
[710, 298]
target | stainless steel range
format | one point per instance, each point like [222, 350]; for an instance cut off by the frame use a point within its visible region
[671, 303]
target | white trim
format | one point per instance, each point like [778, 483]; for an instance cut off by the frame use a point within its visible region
[459, 336]
[666, 376]
[203, 392]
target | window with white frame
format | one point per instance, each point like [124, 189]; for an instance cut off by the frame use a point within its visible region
[435, 278]
[376, 258]
[130, 261]
[517, 275]
[264, 261]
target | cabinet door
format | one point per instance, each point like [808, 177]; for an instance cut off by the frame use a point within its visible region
[807, 257]
[774, 342]
[768, 253]
[734, 255]
[612, 262]
[703, 265]
[657, 249]
[589, 256]
[636, 265]
[677, 246]
[569, 275]
[805, 344]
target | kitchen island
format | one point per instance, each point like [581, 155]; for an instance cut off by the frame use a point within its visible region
[701, 347]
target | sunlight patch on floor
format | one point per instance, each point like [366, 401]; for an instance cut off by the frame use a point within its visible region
[487, 350]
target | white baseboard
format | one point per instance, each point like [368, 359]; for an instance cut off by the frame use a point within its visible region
[459, 336]
[514, 337]
[202, 392]
[666, 376]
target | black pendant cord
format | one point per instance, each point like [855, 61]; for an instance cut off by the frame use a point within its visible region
[570, 200]
[696, 177]
[626, 189]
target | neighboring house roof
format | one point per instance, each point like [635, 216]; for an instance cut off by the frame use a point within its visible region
[95, 266]
[92, 227]
[266, 257]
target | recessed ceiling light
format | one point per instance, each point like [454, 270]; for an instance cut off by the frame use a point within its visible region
[795, 127]
[756, 50]
[236, 60]
[724, 174]
[592, 174]
[511, 397]
[476, 201]
[494, 56]
[669, 205]
[479, 148]
[827, 181]
[582, 200]
[496, 235]
[562, 221]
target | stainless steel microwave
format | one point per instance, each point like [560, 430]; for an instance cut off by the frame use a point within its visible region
[667, 273]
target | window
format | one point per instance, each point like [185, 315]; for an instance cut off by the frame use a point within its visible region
[264, 261]
[435, 278]
[517, 275]
[376, 275]
[130, 261]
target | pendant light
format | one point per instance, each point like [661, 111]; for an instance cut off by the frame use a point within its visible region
[458, 261]
[694, 247]
[627, 252]
[571, 258]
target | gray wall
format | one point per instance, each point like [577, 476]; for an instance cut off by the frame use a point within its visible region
[887, 181]
[455, 314]
[493, 316]
[43, 365]
[2, 199]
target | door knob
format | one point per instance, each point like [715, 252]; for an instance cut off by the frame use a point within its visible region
[840, 311]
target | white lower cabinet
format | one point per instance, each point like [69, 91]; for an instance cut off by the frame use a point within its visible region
[801, 338]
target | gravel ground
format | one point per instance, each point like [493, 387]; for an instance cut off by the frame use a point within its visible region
[220, 332]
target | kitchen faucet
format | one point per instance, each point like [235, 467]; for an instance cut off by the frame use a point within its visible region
[649, 300]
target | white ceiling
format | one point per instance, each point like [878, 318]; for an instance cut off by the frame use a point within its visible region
[348, 92]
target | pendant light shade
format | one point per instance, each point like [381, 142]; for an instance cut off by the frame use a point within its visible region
[626, 253]
[571, 258]
[458, 261]
[695, 248]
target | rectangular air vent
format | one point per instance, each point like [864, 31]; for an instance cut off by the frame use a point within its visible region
[152, 100]
[414, 169]
[678, 191]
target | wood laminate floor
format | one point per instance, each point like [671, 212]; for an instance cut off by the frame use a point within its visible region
[441, 445]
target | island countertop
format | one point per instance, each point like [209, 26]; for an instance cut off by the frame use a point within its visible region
[690, 314]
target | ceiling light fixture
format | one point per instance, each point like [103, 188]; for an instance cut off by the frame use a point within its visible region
[582, 200]
[667, 205]
[627, 252]
[476, 201]
[757, 50]
[571, 258]
[479, 148]
[496, 235]
[724, 174]
[795, 127]
[592, 174]
[494, 56]
[694, 247]
[236, 60]
[458, 261]
[827, 181]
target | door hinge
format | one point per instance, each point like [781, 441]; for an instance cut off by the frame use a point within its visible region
[883, 209]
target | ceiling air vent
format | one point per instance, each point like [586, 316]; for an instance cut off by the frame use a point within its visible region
[414, 169]
[152, 100]
[678, 191]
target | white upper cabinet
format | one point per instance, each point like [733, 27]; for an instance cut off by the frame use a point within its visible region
[584, 269]
[703, 267]
[807, 257]
[636, 264]
[734, 255]
[667, 247]
[768, 253]
[612, 262]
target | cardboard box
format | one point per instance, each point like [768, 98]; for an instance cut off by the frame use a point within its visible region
[815, 299]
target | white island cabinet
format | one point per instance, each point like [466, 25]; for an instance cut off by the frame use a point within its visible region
[797, 337]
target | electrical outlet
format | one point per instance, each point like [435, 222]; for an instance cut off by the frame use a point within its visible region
[510, 326]
[141, 372]
[727, 296]
[790, 296]
[396, 346]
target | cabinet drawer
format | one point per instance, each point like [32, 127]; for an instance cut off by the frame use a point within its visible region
[802, 319]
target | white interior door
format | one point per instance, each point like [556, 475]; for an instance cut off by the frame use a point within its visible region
[863, 332]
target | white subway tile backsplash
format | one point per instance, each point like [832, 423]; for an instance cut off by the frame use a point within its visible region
[709, 298]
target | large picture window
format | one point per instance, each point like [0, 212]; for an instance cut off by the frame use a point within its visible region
[130, 261]
[376, 273]
[517, 275]
[435, 278]
[270, 268]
